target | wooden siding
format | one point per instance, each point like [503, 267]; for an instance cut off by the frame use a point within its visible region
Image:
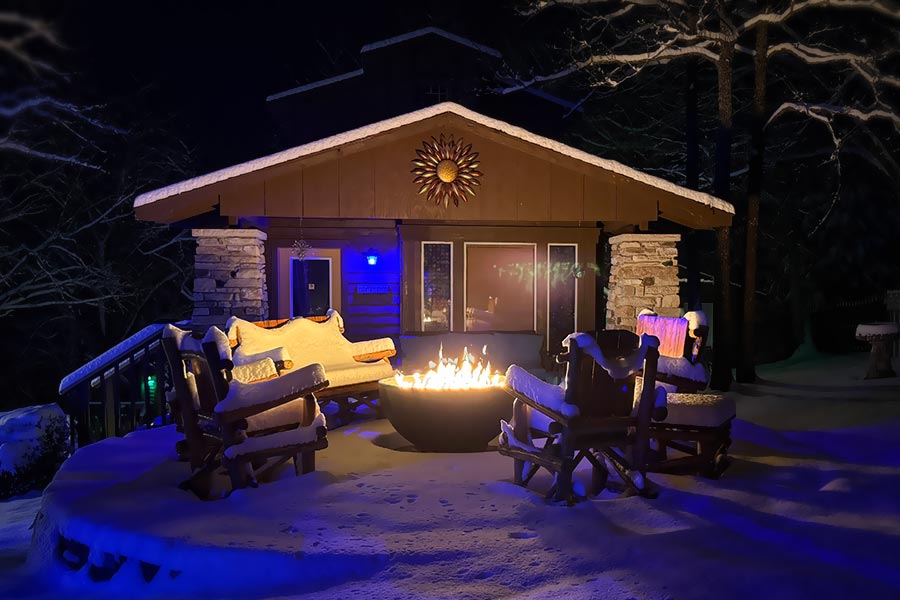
[365, 315]
[371, 178]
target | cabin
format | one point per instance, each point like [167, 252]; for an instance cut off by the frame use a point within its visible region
[438, 220]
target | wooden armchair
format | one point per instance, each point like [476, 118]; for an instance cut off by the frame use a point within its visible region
[698, 425]
[594, 416]
[250, 428]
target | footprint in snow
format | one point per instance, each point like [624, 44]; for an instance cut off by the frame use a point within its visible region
[522, 535]
[392, 500]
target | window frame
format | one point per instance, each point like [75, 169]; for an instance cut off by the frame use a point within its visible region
[291, 282]
[575, 312]
[422, 282]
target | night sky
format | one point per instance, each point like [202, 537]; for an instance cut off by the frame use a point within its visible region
[204, 69]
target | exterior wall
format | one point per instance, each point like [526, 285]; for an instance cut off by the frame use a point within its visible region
[644, 274]
[412, 235]
[229, 276]
[369, 295]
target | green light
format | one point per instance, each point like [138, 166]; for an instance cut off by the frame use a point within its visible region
[151, 383]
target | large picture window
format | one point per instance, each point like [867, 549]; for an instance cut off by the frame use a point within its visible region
[437, 286]
[500, 287]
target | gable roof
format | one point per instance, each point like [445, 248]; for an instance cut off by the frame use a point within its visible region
[386, 125]
[430, 31]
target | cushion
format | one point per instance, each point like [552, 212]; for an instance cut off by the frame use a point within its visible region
[700, 410]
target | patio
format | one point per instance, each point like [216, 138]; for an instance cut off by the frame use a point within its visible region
[809, 507]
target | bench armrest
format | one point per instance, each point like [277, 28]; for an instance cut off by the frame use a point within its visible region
[280, 356]
[372, 350]
[247, 399]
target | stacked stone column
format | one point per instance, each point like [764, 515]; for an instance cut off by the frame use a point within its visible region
[229, 276]
[643, 274]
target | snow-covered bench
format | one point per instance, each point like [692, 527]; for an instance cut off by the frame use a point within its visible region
[353, 368]
[594, 414]
[251, 427]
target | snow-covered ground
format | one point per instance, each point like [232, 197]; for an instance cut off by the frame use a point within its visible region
[810, 508]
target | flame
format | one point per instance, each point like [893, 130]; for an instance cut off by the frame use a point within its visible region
[468, 372]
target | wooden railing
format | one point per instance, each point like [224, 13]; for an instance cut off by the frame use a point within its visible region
[119, 391]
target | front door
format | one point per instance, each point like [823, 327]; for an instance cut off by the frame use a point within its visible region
[310, 286]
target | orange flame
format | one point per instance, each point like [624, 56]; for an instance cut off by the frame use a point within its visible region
[465, 373]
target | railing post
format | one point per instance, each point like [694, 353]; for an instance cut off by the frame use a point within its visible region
[111, 403]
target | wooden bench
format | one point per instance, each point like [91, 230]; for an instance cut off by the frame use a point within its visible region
[594, 416]
[698, 424]
[353, 368]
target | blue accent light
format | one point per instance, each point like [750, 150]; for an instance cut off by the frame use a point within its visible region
[371, 258]
[624, 388]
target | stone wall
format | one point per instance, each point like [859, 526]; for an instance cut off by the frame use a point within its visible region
[229, 276]
[643, 274]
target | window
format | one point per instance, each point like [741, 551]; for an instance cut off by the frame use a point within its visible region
[310, 286]
[562, 261]
[500, 287]
[436, 92]
[437, 286]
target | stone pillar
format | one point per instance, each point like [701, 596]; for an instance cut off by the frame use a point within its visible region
[643, 274]
[229, 276]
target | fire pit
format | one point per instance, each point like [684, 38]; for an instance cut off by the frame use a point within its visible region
[455, 407]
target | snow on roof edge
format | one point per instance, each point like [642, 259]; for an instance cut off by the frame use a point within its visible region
[315, 84]
[425, 31]
[420, 115]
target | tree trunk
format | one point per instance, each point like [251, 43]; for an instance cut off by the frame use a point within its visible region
[692, 180]
[722, 329]
[746, 371]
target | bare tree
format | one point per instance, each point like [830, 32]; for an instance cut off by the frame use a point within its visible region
[621, 40]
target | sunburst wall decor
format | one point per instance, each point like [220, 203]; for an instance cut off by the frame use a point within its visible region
[446, 170]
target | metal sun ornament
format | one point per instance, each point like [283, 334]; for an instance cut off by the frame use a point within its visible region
[446, 170]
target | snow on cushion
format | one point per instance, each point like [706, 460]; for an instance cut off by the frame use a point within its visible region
[546, 394]
[701, 410]
[260, 370]
[244, 395]
[359, 373]
[373, 347]
[682, 367]
[290, 413]
[282, 439]
[275, 354]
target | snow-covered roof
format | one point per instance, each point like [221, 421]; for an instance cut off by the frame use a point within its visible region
[413, 117]
[426, 31]
[315, 84]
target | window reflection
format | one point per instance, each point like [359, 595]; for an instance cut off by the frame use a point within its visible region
[500, 287]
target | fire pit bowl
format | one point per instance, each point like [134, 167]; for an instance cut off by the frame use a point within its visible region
[445, 420]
